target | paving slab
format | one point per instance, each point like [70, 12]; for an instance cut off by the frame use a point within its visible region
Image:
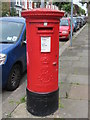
[65, 63]
[85, 48]
[70, 53]
[89, 92]
[89, 109]
[79, 92]
[71, 109]
[66, 70]
[85, 51]
[84, 59]
[70, 58]
[79, 48]
[79, 71]
[81, 79]
[64, 90]
[75, 49]
[80, 64]
[62, 77]
[13, 100]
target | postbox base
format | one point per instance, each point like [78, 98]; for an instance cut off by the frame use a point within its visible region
[42, 104]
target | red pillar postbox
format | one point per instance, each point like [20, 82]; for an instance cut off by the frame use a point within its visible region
[42, 32]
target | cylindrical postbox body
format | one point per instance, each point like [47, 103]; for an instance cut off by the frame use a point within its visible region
[42, 32]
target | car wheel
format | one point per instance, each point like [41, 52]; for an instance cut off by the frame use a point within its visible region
[75, 30]
[14, 78]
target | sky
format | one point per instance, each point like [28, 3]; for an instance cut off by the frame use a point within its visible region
[79, 4]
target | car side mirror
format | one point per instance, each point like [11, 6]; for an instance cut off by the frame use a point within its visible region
[23, 42]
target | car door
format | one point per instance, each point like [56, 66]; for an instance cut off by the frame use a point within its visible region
[69, 21]
[23, 49]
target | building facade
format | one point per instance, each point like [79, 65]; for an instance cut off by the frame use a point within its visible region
[20, 5]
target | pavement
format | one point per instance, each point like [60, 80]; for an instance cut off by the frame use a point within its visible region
[73, 83]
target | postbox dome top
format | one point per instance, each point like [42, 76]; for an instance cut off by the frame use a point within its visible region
[42, 12]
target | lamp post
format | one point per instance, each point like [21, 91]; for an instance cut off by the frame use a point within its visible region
[71, 21]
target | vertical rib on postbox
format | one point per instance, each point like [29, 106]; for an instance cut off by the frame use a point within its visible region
[42, 33]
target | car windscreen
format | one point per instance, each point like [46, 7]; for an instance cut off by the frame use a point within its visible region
[64, 22]
[10, 31]
[74, 20]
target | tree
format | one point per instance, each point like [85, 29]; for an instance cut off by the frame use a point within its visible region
[81, 11]
[66, 6]
[13, 12]
[5, 9]
[61, 4]
[85, 1]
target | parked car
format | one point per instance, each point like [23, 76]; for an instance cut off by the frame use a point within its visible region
[76, 24]
[12, 51]
[84, 20]
[80, 21]
[65, 28]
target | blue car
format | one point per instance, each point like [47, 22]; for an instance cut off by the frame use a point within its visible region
[12, 51]
[76, 24]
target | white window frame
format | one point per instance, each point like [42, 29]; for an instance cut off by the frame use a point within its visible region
[30, 4]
